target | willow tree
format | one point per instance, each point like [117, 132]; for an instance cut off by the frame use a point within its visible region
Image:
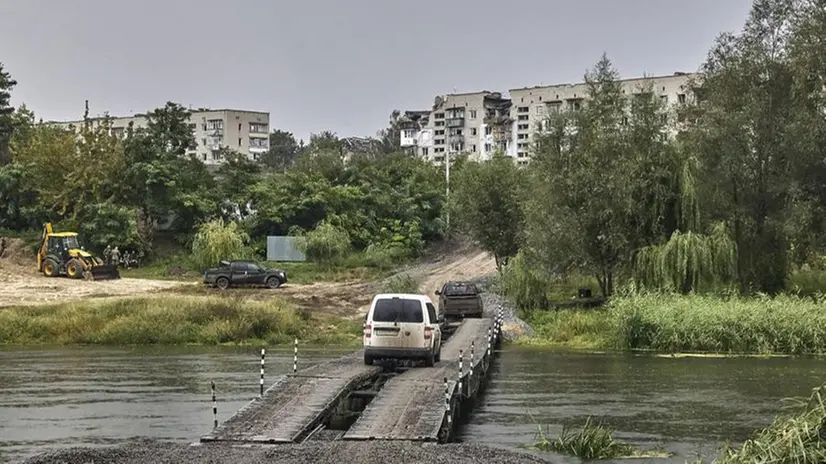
[689, 260]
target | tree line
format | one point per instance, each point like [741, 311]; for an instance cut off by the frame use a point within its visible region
[727, 190]
[129, 190]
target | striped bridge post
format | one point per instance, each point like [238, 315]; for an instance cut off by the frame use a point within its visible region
[214, 407]
[262, 371]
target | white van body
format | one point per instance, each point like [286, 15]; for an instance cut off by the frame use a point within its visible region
[402, 326]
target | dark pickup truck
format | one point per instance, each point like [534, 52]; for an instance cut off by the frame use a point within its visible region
[243, 274]
[458, 300]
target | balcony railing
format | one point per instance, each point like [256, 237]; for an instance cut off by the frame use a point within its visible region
[456, 122]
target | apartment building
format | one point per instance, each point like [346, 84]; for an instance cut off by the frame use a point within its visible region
[481, 123]
[476, 123]
[533, 105]
[240, 130]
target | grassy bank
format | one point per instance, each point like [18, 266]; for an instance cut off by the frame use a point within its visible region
[694, 323]
[358, 266]
[173, 320]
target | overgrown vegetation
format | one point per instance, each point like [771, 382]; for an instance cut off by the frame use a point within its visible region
[172, 320]
[402, 283]
[797, 437]
[721, 189]
[128, 189]
[689, 323]
[592, 441]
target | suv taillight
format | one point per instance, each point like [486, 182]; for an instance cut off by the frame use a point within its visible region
[428, 332]
[368, 329]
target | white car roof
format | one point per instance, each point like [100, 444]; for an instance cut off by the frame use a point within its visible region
[405, 296]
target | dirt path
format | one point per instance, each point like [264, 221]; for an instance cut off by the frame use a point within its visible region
[21, 285]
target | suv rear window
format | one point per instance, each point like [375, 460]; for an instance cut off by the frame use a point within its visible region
[460, 289]
[398, 310]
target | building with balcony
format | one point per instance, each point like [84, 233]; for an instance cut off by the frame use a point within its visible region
[458, 123]
[533, 105]
[243, 131]
[483, 123]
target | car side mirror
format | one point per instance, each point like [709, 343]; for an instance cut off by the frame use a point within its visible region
[438, 292]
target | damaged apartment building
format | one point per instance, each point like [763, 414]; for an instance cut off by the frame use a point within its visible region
[482, 123]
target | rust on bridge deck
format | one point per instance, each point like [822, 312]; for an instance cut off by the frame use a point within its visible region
[295, 404]
[411, 406]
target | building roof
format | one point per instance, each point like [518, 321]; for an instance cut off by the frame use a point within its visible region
[630, 79]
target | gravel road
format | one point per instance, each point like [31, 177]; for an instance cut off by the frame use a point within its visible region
[383, 452]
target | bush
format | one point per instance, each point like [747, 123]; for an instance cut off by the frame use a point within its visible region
[326, 244]
[216, 241]
[403, 283]
[521, 284]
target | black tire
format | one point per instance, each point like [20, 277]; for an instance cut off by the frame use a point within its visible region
[438, 357]
[74, 269]
[50, 268]
[273, 282]
[222, 283]
[368, 360]
[430, 360]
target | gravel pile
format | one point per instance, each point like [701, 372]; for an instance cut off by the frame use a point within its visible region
[512, 327]
[378, 452]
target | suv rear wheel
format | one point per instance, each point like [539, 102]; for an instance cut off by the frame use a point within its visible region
[368, 360]
[222, 283]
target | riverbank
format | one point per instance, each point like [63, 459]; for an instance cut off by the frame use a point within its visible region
[174, 319]
[687, 323]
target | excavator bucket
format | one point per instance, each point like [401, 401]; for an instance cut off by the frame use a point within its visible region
[102, 272]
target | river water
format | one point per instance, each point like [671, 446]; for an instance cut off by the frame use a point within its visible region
[53, 398]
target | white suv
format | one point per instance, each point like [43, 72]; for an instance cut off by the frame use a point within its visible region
[402, 326]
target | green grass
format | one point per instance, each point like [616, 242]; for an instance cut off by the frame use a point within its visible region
[689, 323]
[592, 441]
[173, 320]
[358, 266]
[799, 437]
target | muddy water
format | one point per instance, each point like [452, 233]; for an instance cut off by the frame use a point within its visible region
[53, 398]
[685, 406]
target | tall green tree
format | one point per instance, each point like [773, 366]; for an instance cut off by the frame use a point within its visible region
[578, 212]
[6, 110]
[282, 152]
[487, 204]
[742, 136]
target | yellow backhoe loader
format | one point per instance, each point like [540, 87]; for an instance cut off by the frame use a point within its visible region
[60, 254]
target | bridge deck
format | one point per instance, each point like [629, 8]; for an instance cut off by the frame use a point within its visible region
[411, 406]
[295, 404]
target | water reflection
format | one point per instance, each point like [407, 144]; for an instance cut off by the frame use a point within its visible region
[54, 398]
[687, 406]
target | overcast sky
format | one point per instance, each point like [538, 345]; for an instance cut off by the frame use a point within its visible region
[341, 65]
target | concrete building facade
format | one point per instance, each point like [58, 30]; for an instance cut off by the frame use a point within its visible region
[482, 123]
[244, 131]
[476, 123]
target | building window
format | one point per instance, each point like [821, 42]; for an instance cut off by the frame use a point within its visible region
[439, 142]
[439, 115]
[239, 127]
[215, 124]
[239, 141]
[440, 132]
[540, 110]
[522, 136]
[439, 150]
[488, 130]
[487, 147]
[664, 99]
[473, 148]
[258, 142]
[424, 151]
[193, 126]
[203, 141]
[523, 117]
[472, 114]
[681, 98]
[257, 128]
[523, 126]
[439, 123]
[522, 109]
[473, 131]
[409, 133]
